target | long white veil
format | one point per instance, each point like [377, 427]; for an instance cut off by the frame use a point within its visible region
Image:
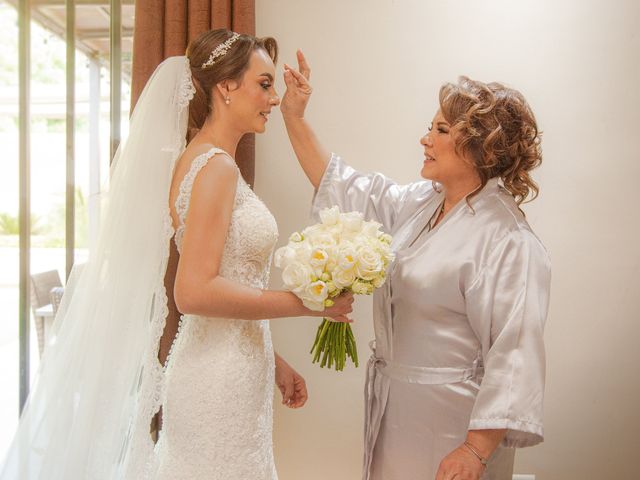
[100, 383]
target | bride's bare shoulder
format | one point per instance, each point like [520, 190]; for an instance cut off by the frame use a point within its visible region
[195, 150]
[219, 171]
[215, 176]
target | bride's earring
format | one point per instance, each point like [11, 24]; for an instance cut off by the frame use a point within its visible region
[227, 100]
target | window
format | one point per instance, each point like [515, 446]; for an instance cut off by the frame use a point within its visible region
[68, 134]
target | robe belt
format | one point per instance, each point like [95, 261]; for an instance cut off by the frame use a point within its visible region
[379, 373]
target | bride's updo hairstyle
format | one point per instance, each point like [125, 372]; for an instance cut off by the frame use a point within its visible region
[230, 66]
[496, 129]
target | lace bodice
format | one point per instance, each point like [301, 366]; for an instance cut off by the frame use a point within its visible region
[252, 233]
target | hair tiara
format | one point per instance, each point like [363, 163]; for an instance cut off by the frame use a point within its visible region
[220, 51]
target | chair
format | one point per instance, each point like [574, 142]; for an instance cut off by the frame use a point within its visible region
[41, 305]
[56, 296]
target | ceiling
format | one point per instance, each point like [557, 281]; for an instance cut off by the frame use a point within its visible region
[92, 26]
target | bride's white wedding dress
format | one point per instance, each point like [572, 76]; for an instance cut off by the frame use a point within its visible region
[219, 375]
[100, 382]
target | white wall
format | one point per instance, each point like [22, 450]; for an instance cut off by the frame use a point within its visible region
[377, 66]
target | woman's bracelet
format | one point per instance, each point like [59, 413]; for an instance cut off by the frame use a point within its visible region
[472, 449]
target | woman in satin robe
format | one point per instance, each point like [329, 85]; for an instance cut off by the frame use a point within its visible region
[456, 378]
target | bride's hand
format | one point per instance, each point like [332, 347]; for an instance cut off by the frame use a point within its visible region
[343, 304]
[291, 384]
[299, 90]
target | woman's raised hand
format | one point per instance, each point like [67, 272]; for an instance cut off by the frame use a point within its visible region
[299, 90]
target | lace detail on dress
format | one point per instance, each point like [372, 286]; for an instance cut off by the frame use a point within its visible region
[173, 344]
[251, 234]
[219, 374]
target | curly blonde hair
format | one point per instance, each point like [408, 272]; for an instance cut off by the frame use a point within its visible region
[495, 128]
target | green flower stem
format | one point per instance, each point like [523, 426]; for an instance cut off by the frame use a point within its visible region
[334, 342]
[317, 336]
[352, 342]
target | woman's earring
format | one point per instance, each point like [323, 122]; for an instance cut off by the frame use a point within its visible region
[227, 100]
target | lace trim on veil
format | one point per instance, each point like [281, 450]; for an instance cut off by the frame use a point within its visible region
[142, 461]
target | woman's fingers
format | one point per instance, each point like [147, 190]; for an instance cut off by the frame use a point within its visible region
[300, 395]
[347, 299]
[298, 91]
[299, 80]
[347, 296]
[446, 475]
[342, 306]
[299, 77]
[289, 79]
[303, 66]
[287, 390]
[340, 319]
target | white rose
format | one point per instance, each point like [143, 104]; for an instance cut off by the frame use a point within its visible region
[362, 241]
[330, 216]
[346, 258]
[318, 261]
[284, 256]
[335, 230]
[344, 278]
[352, 221]
[319, 258]
[297, 275]
[303, 251]
[369, 263]
[311, 305]
[311, 232]
[331, 264]
[314, 295]
[323, 240]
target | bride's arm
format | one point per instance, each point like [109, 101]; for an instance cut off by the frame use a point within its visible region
[199, 288]
[311, 154]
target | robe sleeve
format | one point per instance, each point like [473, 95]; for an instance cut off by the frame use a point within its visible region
[507, 306]
[377, 197]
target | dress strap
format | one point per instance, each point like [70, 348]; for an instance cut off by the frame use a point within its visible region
[184, 194]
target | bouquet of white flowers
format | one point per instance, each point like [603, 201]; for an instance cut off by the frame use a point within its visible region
[343, 253]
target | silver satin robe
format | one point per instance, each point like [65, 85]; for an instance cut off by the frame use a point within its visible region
[458, 324]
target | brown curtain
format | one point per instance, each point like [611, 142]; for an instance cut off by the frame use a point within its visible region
[163, 28]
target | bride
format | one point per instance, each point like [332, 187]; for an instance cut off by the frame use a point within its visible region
[101, 382]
